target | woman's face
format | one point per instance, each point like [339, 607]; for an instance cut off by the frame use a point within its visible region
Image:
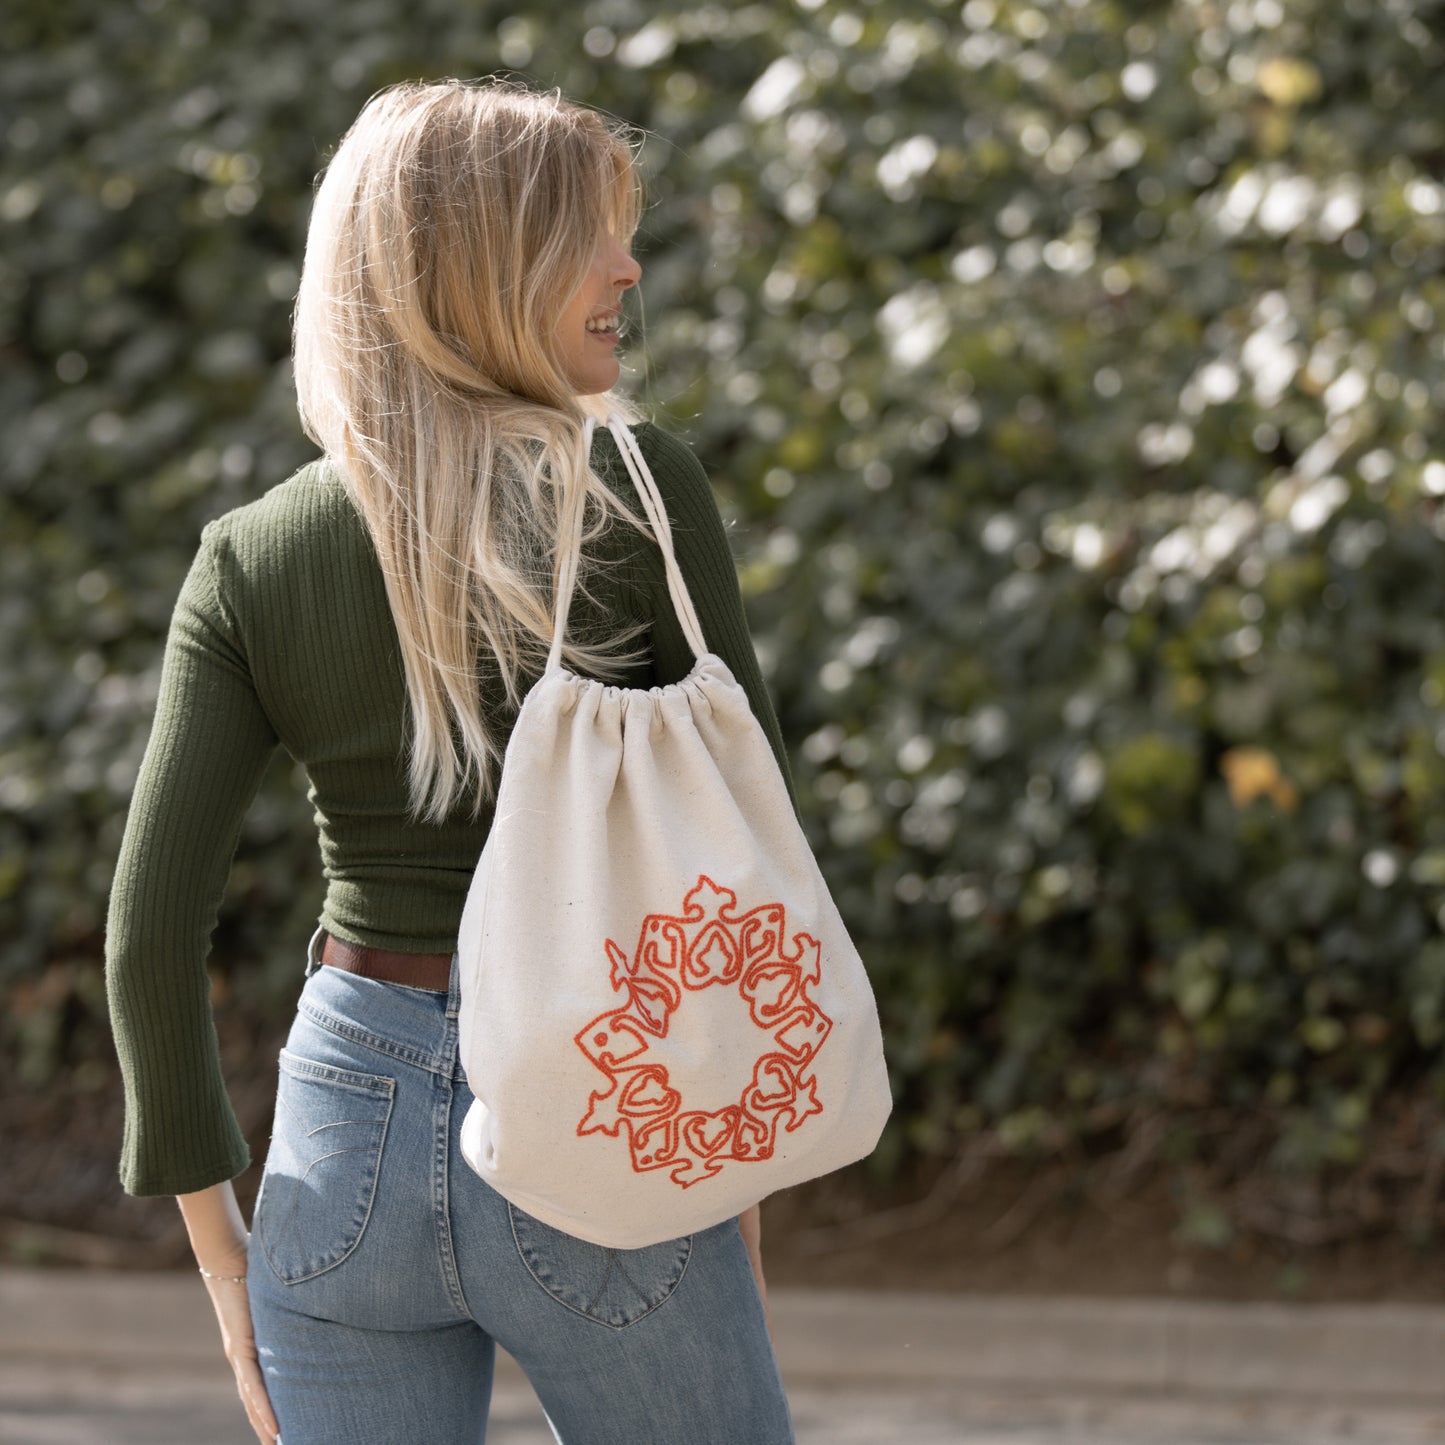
[586, 332]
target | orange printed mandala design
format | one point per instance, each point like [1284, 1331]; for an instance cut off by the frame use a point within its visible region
[709, 945]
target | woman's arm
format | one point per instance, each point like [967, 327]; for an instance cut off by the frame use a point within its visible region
[750, 1224]
[218, 1241]
[209, 746]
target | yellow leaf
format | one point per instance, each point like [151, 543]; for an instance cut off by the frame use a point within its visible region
[1252, 773]
[1288, 81]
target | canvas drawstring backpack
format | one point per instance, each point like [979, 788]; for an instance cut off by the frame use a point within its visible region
[663, 1018]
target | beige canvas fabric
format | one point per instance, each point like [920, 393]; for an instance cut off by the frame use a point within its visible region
[663, 1018]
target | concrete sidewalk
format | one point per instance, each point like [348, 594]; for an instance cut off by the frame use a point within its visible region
[101, 1358]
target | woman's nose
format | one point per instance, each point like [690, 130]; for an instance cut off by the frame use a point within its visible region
[625, 269]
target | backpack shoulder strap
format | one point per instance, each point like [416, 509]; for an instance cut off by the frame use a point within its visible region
[652, 504]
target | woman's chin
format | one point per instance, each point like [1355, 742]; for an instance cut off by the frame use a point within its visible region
[597, 379]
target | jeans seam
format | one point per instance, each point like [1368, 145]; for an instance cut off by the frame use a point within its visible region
[441, 1190]
[641, 1293]
[606, 1280]
[369, 1040]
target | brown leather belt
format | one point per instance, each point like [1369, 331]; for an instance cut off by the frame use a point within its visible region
[432, 971]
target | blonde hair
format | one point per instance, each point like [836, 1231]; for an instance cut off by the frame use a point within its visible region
[450, 229]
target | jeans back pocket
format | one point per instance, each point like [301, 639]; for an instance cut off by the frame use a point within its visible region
[614, 1287]
[320, 1180]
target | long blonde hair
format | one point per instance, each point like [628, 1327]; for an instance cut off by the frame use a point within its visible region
[450, 229]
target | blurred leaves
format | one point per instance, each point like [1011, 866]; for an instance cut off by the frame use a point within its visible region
[1073, 373]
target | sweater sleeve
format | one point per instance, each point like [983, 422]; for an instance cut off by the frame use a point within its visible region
[209, 745]
[701, 543]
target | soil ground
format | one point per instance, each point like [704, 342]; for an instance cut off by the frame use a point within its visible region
[1011, 1228]
[1022, 1229]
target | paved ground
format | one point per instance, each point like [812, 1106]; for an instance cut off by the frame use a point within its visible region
[128, 1359]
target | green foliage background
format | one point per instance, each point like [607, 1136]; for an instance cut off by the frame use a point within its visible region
[1073, 370]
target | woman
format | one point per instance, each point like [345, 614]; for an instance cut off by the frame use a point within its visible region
[381, 615]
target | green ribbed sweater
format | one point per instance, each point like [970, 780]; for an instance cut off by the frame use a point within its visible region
[282, 635]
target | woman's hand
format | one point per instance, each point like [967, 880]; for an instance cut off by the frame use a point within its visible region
[233, 1311]
[750, 1223]
[218, 1239]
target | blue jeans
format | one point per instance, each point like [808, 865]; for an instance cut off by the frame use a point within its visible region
[384, 1272]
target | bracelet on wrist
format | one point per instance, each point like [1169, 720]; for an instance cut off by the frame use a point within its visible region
[222, 1278]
